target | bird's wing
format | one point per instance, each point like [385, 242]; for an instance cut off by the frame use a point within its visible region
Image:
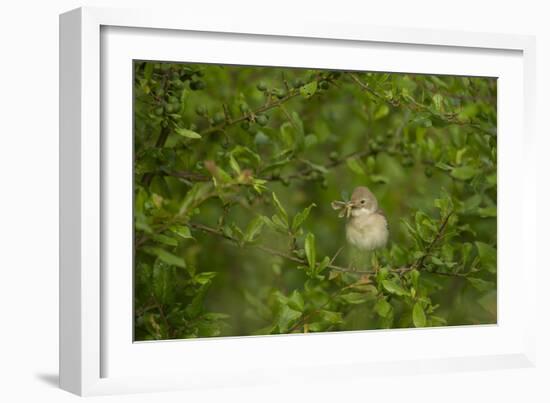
[383, 214]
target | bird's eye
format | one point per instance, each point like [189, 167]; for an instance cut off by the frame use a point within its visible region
[363, 201]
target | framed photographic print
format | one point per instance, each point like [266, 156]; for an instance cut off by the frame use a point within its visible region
[241, 199]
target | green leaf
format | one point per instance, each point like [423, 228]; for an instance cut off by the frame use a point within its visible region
[299, 125]
[246, 154]
[214, 316]
[415, 276]
[437, 101]
[279, 224]
[288, 136]
[489, 302]
[234, 164]
[287, 316]
[315, 327]
[259, 308]
[153, 326]
[296, 301]
[259, 185]
[205, 277]
[485, 212]
[208, 328]
[487, 256]
[196, 195]
[323, 264]
[309, 247]
[444, 166]
[310, 140]
[381, 112]
[355, 165]
[163, 282]
[459, 155]
[282, 212]
[275, 224]
[471, 203]
[379, 178]
[394, 288]
[354, 298]
[412, 232]
[437, 321]
[166, 256]
[193, 309]
[444, 204]
[464, 173]
[167, 240]
[438, 81]
[309, 89]
[491, 179]
[148, 72]
[331, 317]
[424, 226]
[182, 230]
[301, 217]
[316, 167]
[190, 134]
[480, 284]
[253, 229]
[466, 252]
[383, 308]
[418, 315]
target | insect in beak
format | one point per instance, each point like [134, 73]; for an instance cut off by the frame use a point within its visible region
[344, 207]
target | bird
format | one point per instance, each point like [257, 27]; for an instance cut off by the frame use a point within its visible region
[367, 227]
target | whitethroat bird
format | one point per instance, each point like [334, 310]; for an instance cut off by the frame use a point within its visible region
[366, 227]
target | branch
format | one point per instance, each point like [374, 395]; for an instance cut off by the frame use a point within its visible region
[295, 259]
[333, 164]
[366, 87]
[434, 241]
[301, 174]
[305, 318]
[417, 106]
[249, 115]
[271, 251]
[162, 315]
[163, 136]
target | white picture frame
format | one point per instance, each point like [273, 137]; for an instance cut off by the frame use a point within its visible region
[96, 354]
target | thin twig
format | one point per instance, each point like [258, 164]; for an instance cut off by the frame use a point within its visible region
[162, 315]
[434, 241]
[163, 136]
[295, 259]
[247, 116]
[301, 174]
[366, 87]
[415, 106]
[336, 255]
[264, 248]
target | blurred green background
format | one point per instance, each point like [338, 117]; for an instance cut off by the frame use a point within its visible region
[219, 140]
